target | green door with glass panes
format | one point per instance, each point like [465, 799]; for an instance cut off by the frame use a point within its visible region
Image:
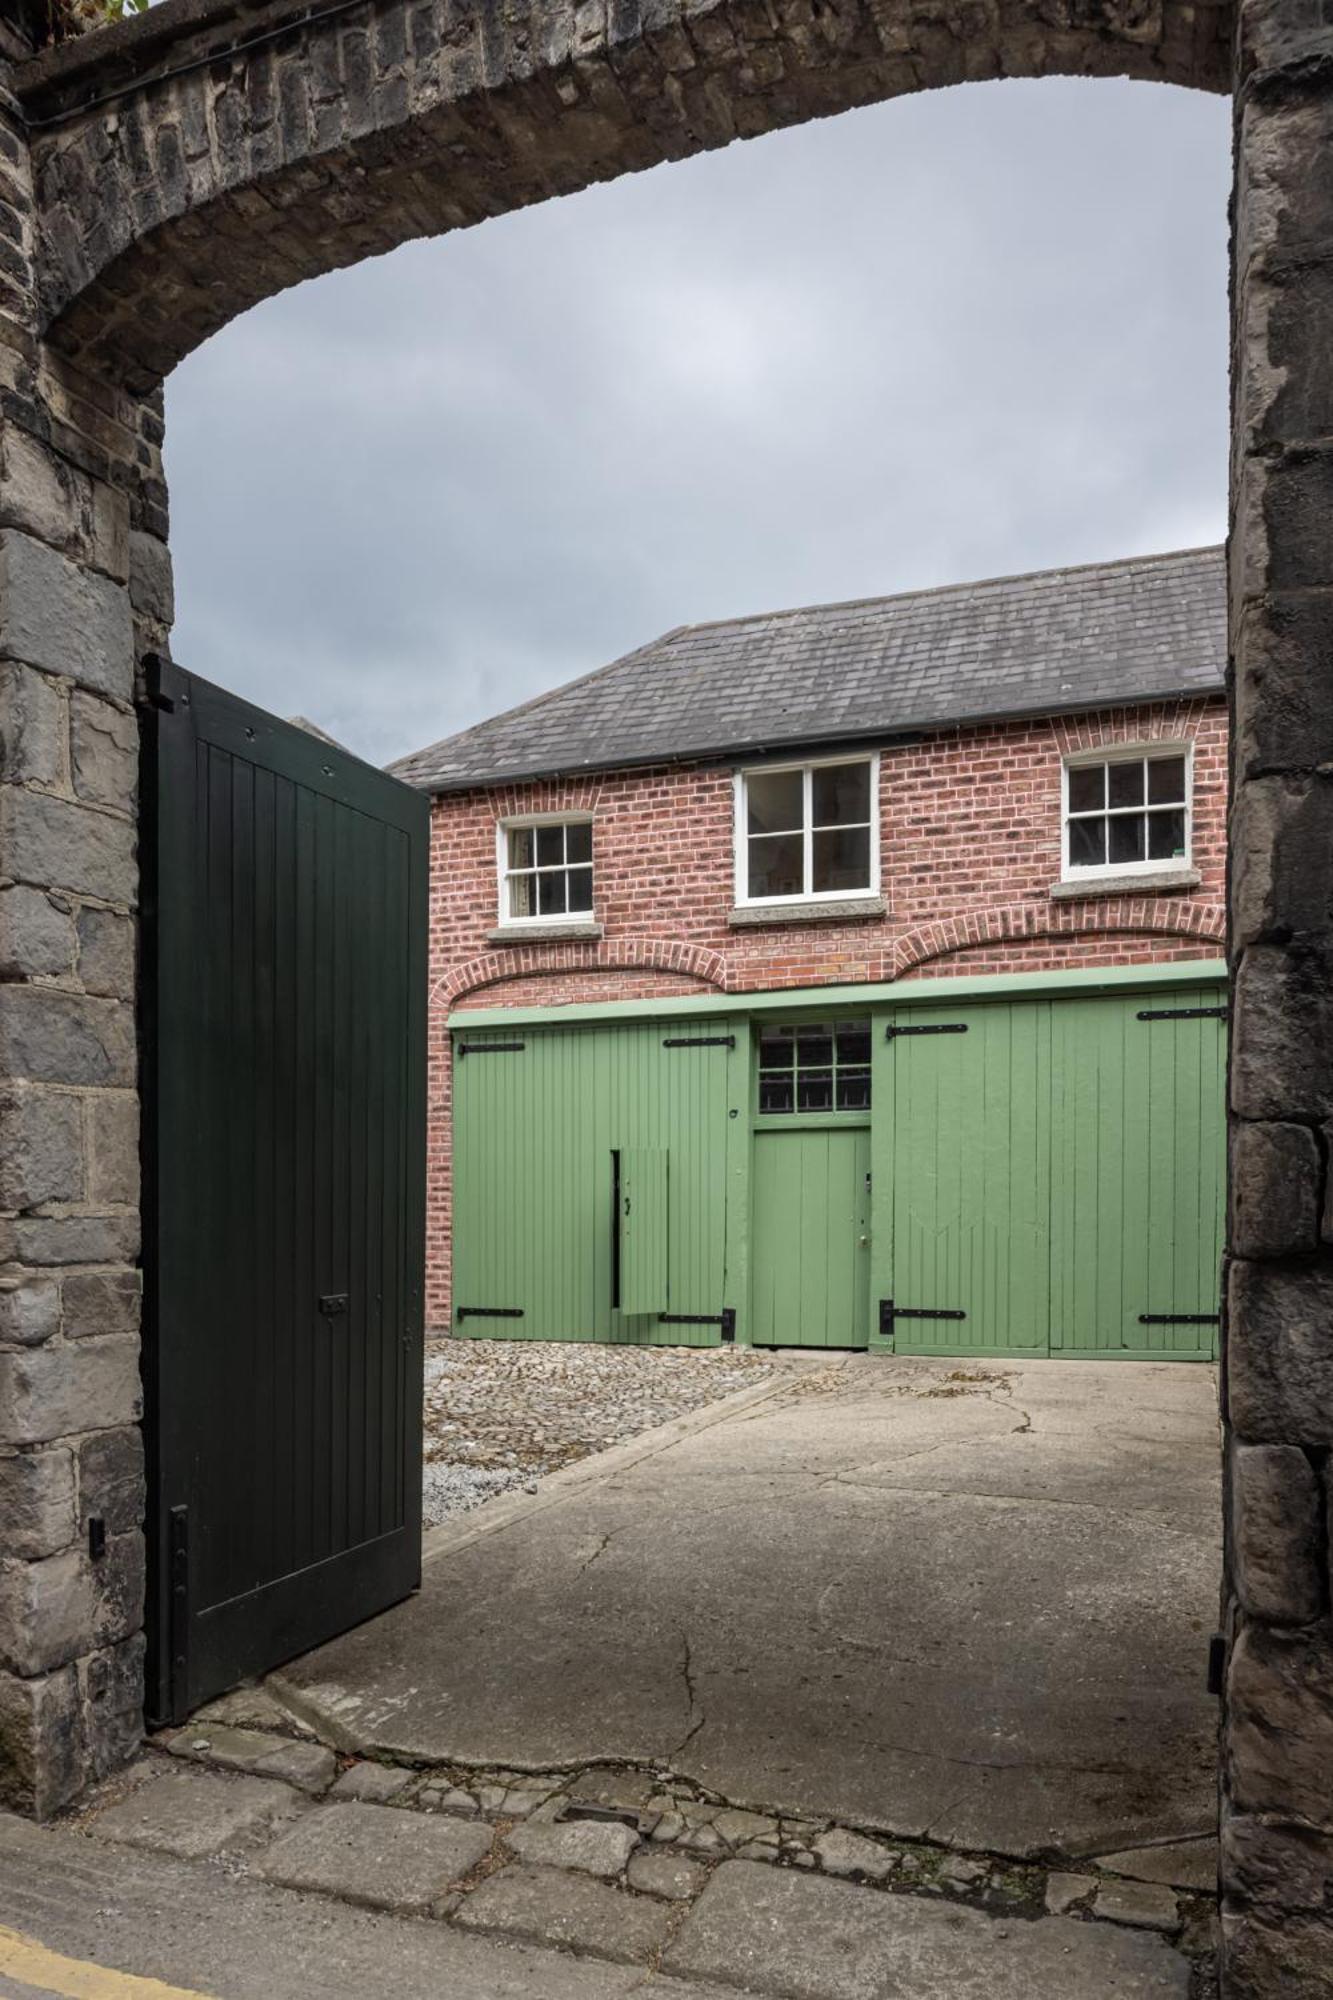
[810, 1185]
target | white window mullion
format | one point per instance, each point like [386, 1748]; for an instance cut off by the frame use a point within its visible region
[807, 831]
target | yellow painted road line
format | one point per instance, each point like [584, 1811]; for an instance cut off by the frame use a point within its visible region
[75, 1978]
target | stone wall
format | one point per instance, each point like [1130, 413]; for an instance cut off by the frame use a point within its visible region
[82, 565]
[1278, 1394]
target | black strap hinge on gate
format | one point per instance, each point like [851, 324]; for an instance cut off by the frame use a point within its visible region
[699, 1042]
[893, 1032]
[726, 1319]
[889, 1312]
[1181, 1014]
[490, 1049]
[488, 1312]
[1180, 1319]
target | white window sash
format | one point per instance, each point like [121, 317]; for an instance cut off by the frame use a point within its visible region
[1080, 871]
[506, 875]
[807, 830]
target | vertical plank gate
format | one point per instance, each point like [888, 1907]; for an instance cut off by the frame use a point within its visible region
[285, 936]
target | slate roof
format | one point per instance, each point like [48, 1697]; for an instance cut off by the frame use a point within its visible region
[1054, 641]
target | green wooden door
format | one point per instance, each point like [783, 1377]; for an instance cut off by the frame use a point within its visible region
[810, 1237]
[1138, 1152]
[642, 1198]
[539, 1114]
[963, 1129]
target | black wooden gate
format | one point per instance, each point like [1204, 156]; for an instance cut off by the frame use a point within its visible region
[285, 906]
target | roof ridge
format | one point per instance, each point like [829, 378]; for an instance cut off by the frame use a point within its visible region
[935, 590]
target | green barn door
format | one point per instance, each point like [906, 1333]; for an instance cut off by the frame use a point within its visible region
[642, 1197]
[811, 1233]
[1138, 1146]
[962, 1104]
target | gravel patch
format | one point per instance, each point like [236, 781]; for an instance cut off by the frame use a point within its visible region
[500, 1413]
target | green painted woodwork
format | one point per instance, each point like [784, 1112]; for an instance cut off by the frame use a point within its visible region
[643, 1231]
[965, 1154]
[823, 999]
[1138, 1153]
[811, 1224]
[1054, 1172]
[534, 1132]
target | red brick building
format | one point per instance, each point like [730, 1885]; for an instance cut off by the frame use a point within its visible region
[1015, 777]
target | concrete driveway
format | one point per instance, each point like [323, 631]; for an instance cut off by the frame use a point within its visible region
[961, 1602]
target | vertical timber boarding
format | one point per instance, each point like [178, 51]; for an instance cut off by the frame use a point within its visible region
[1049, 1176]
[284, 1199]
[554, 1129]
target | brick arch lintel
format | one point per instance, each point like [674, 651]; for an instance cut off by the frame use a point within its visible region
[1157, 916]
[640, 954]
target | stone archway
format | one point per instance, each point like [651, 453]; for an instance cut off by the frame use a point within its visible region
[160, 177]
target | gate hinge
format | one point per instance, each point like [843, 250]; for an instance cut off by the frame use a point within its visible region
[178, 1612]
[726, 1319]
[893, 1032]
[1180, 1319]
[488, 1312]
[1181, 1014]
[889, 1312]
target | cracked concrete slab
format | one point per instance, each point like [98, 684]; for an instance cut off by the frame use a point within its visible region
[946, 1600]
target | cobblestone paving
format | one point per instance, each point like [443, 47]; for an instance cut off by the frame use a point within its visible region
[500, 1413]
[633, 1866]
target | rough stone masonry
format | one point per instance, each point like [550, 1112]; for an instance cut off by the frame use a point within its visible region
[159, 177]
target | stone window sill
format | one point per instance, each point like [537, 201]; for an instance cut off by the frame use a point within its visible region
[560, 933]
[857, 909]
[1159, 882]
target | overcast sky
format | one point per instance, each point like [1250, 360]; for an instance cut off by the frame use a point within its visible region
[973, 332]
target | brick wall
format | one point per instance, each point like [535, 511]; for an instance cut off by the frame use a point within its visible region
[970, 842]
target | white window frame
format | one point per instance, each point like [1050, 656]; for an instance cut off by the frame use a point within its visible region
[807, 766]
[560, 919]
[1124, 753]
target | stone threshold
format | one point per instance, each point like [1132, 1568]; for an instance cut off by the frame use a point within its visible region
[629, 1867]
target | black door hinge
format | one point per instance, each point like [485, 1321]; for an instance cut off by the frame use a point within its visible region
[490, 1049]
[699, 1042]
[889, 1312]
[488, 1312]
[178, 1612]
[1182, 1014]
[893, 1032]
[726, 1319]
[1180, 1319]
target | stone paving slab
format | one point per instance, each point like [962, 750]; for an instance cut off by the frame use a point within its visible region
[371, 1784]
[592, 1847]
[192, 1925]
[1180, 1864]
[545, 1906]
[802, 1937]
[377, 1856]
[309, 1766]
[198, 1813]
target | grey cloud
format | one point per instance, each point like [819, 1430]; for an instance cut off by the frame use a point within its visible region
[973, 332]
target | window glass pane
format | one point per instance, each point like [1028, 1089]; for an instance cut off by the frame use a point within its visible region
[777, 863]
[580, 888]
[1125, 783]
[814, 1090]
[1126, 838]
[814, 1047]
[550, 846]
[578, 841]
[840, 794]
[854, 1042]
[841, 858]
[520, 896]
[1166, 835]
[520, 847]
[1166, 781]
[775, 800]
[551, 894]
[853, 1090]
[777, 1048]
[1087, 787]
[776, 1093]
[1087, 843]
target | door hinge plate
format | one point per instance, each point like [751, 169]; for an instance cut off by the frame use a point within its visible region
[894, 1032]
[889, 1311]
